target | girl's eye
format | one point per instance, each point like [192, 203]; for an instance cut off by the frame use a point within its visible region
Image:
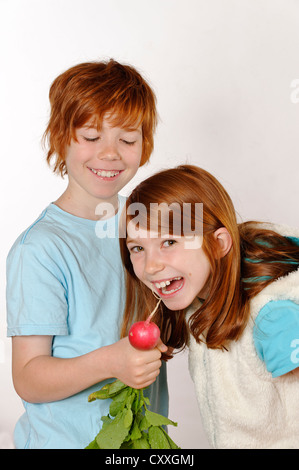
[136, 249]
[169, 242]
[127, 142]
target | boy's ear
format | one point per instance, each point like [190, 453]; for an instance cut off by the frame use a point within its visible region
[224, 241]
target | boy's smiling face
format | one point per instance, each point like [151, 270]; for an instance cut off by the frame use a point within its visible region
[99, 164]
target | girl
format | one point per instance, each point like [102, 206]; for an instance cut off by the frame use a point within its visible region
[233, 299]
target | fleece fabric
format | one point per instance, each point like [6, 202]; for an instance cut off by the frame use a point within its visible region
[242, 405]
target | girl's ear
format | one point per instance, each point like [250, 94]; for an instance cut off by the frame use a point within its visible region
[224, 241]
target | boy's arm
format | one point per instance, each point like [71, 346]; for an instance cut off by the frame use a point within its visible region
[39, 377]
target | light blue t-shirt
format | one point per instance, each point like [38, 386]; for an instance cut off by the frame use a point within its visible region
[65, 279]
[276, 336]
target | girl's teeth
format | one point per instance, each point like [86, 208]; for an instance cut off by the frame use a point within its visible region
[164, 291]
[162, 285]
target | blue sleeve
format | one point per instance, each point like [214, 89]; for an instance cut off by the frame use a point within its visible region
[35, 295]
[276, 336]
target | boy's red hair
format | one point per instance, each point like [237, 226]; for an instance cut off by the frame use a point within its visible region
[87, 92]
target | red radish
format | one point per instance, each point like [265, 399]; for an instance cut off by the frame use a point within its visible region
[145, 334]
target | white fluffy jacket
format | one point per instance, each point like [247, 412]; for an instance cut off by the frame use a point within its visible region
[241, 405]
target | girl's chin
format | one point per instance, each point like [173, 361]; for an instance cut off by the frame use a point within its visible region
[173, 304]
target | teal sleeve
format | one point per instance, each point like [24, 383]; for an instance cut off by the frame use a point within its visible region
[276, 336]
[36, 297]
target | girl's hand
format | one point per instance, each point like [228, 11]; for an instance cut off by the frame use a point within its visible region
[137, 369]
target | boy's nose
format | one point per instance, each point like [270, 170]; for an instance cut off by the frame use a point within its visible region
[108, 151]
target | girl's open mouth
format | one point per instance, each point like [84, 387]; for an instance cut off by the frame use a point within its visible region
[169, 286]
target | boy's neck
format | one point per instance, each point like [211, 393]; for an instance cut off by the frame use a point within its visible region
[79, 208]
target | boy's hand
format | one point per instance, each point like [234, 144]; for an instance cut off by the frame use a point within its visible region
[137, 369]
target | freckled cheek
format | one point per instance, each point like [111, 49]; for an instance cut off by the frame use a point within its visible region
[135, 159]
[137, 269]
[135, 154]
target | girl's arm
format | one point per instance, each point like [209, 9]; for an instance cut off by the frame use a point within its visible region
[39, 377]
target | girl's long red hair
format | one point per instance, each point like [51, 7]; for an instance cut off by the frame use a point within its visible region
[257, 257]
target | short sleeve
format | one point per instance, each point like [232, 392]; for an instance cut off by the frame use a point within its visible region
[35, 295]
[276, 336]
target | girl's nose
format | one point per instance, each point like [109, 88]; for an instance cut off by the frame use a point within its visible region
[153, 265]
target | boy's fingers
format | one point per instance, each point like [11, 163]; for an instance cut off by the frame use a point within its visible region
[161, 346]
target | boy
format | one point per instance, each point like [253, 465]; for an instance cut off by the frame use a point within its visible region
[65, 292]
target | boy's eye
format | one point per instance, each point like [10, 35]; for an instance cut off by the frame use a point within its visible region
[127, 142]
[91, 139]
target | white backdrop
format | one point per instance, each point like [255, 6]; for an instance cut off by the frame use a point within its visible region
[226, 77]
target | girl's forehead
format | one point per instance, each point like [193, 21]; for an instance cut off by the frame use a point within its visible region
[135, 232]
[153, 220]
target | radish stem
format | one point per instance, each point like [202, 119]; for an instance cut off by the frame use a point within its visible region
[153, 312]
